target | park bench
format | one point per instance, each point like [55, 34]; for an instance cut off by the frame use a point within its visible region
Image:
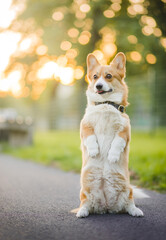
[16, 133]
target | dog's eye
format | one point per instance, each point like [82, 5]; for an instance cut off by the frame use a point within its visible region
[95, 76]
[108, 76]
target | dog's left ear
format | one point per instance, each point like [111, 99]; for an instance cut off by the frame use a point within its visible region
[119, 62]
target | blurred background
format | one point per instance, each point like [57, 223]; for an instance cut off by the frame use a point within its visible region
[43, 49]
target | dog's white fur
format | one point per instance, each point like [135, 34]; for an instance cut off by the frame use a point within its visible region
[91, 144]
[117, 147]
[105, 185]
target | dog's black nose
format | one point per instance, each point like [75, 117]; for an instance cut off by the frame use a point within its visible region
[99, 86]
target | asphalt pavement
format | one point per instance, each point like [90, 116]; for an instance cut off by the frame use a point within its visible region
[35, 204]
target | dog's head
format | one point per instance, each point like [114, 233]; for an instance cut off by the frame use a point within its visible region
[106, 83]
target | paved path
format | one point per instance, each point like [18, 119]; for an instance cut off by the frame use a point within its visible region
[35, 204]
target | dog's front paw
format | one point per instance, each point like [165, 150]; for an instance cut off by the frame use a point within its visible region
[92, 152]
[92, 146]
[113, 156]
[83, 212]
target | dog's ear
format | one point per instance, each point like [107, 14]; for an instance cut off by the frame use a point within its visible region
[91, 62]
[119, 62]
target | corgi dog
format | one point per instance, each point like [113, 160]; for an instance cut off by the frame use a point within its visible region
[105, 137]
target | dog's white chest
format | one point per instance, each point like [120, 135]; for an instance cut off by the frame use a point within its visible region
[106, 121]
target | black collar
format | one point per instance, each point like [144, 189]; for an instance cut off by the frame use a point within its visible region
[121, 108]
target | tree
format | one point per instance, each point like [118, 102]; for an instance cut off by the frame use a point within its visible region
[64, 32]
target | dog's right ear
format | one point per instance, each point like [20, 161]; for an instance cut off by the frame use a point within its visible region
[119, 62]
[91, 62]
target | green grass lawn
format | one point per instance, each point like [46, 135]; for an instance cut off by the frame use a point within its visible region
[62, 149]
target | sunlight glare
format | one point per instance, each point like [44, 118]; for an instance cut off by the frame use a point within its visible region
[48, 70]
[66, 75]
[25, 44]
[7, 14]
[11, 83]
[8, 45]
[51, 70]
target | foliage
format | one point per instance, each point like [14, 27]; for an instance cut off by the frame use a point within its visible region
[66, 31]
[62, 149]
[56, 36]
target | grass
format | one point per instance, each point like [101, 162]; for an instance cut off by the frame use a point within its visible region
[62, 149]
[148, 159]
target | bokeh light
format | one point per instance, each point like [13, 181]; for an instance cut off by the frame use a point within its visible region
[47, 71]
[62, 60]
[72, 53]
[109, 49]
[84, 7]
[8, 12]
[11, 83]
[41, 50]
[78, 72]
[131, 11]
[84, 37]
[8, 45]
[132, 39]
[138, 8]
[147, 30]
[66, 75]
[109, 13]
[98, 54]
[58, 16]
[80, 15]
[163, 42]
[135, 56]
[51, 70]
[25, 44]
[150, 58]
[116, 7]
[65, 45]
[157, 32]
[73, 32]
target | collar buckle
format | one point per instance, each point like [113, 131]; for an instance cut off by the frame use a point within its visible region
[121, 108]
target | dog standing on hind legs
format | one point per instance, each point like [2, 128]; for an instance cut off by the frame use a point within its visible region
[105, 137]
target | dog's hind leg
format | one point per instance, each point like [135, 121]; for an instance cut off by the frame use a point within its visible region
[83, 210]
[131, 208]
